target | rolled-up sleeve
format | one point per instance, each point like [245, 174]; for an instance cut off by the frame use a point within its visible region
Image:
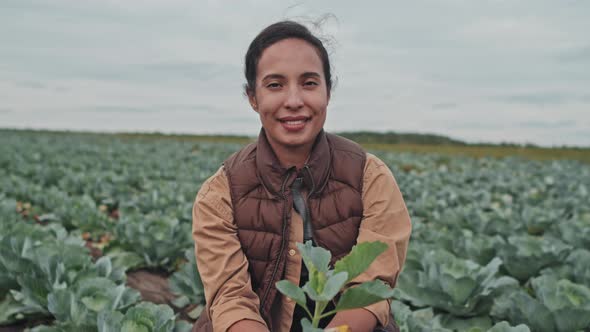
[385, 219]
[222, 264]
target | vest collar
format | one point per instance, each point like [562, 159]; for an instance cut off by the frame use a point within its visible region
[274, 176]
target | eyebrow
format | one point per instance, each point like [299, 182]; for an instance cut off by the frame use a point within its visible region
[279, 76]
[273, 76]
[311, 74]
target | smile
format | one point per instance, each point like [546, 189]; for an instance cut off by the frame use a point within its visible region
[295, 119]
[294, 123]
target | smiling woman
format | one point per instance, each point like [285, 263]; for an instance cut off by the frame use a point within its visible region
[296, 183]
[291, 97]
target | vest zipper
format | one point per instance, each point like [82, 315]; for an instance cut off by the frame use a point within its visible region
[283, 242]
[306, 167]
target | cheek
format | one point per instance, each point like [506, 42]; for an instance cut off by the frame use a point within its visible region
[320, 105]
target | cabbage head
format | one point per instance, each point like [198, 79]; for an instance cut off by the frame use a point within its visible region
[440, 280]
[524, 256]
[560, 305]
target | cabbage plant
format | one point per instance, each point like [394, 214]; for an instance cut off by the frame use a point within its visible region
[425, 320]
[568, 302]
[325, 283]
[187, 285]
[576, 268]
[524, 256]
[465, 244]
[575, 231]
[560, 305]
[143, 317]
[136, 234]
[77, 308]
[437, 278]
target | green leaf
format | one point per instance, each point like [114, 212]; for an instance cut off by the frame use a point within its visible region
[10, 310]
[478, 323]
[95, 302]
[154, 317]
[109, 321]
[182, 326]
[568, 302]
[181, 301]
[310, 289]
[134, 326]
[363, 295]
[333, 286]
[505, 327]
[360, 258]
[101, 293]
[45, 328]
[187, 281]
[196, 312]
[439, 279]
[104, 266]
[34, 291]
[400, 312]
[317, 281]
[520, 307]
[290, 290]
[315, 258]
[307, 327]
[65, 307]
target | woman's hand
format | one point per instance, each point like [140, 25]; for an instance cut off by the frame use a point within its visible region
[247, 325]
[358, 320]
[341, 328]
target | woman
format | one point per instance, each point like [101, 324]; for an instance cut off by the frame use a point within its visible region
[295, 183]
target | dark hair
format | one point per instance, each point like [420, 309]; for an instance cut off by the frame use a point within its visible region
[275, 33]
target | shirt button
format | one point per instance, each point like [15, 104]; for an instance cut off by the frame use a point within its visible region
[292, 252]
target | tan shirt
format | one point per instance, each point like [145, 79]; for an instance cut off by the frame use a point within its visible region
[224, 268]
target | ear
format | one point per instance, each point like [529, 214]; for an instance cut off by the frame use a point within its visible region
[253, 102]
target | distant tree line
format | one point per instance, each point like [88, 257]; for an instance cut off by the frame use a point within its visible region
[361, 137]
[367, 137]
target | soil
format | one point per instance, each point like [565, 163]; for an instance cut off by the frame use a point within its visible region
[153, 286]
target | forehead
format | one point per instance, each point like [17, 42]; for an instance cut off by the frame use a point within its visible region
[289, 57]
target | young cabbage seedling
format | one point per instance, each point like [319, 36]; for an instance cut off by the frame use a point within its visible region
[325, 283]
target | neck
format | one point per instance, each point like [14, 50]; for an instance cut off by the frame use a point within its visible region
[291, 156]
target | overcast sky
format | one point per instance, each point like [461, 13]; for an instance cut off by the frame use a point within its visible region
[504, 70]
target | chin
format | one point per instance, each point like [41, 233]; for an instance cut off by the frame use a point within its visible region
[293, 143]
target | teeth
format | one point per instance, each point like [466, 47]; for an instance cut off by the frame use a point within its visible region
[296, 122]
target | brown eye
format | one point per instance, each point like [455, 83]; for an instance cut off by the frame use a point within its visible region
[273, 85]
[310, 83]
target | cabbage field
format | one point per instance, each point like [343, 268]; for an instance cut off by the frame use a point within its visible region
[88, 222]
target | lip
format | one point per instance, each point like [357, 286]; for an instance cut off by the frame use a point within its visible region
[294, 118]
[294, 123]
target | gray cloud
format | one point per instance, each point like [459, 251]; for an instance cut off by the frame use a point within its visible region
[576, 55]
[547, 124]
[32, 84]
[444, 105]
[202, 109]
[472, 70]
[541, 98]
[203, 71]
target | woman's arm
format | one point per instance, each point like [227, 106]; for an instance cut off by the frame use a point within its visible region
[385, 219]
[222, 264]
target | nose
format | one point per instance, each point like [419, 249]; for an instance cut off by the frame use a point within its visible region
[294, 99]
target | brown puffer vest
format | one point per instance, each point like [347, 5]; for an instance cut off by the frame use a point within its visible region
[262, 202]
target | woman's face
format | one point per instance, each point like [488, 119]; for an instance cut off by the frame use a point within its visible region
[291, 94]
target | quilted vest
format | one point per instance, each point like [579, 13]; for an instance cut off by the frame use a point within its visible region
[262, 202]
